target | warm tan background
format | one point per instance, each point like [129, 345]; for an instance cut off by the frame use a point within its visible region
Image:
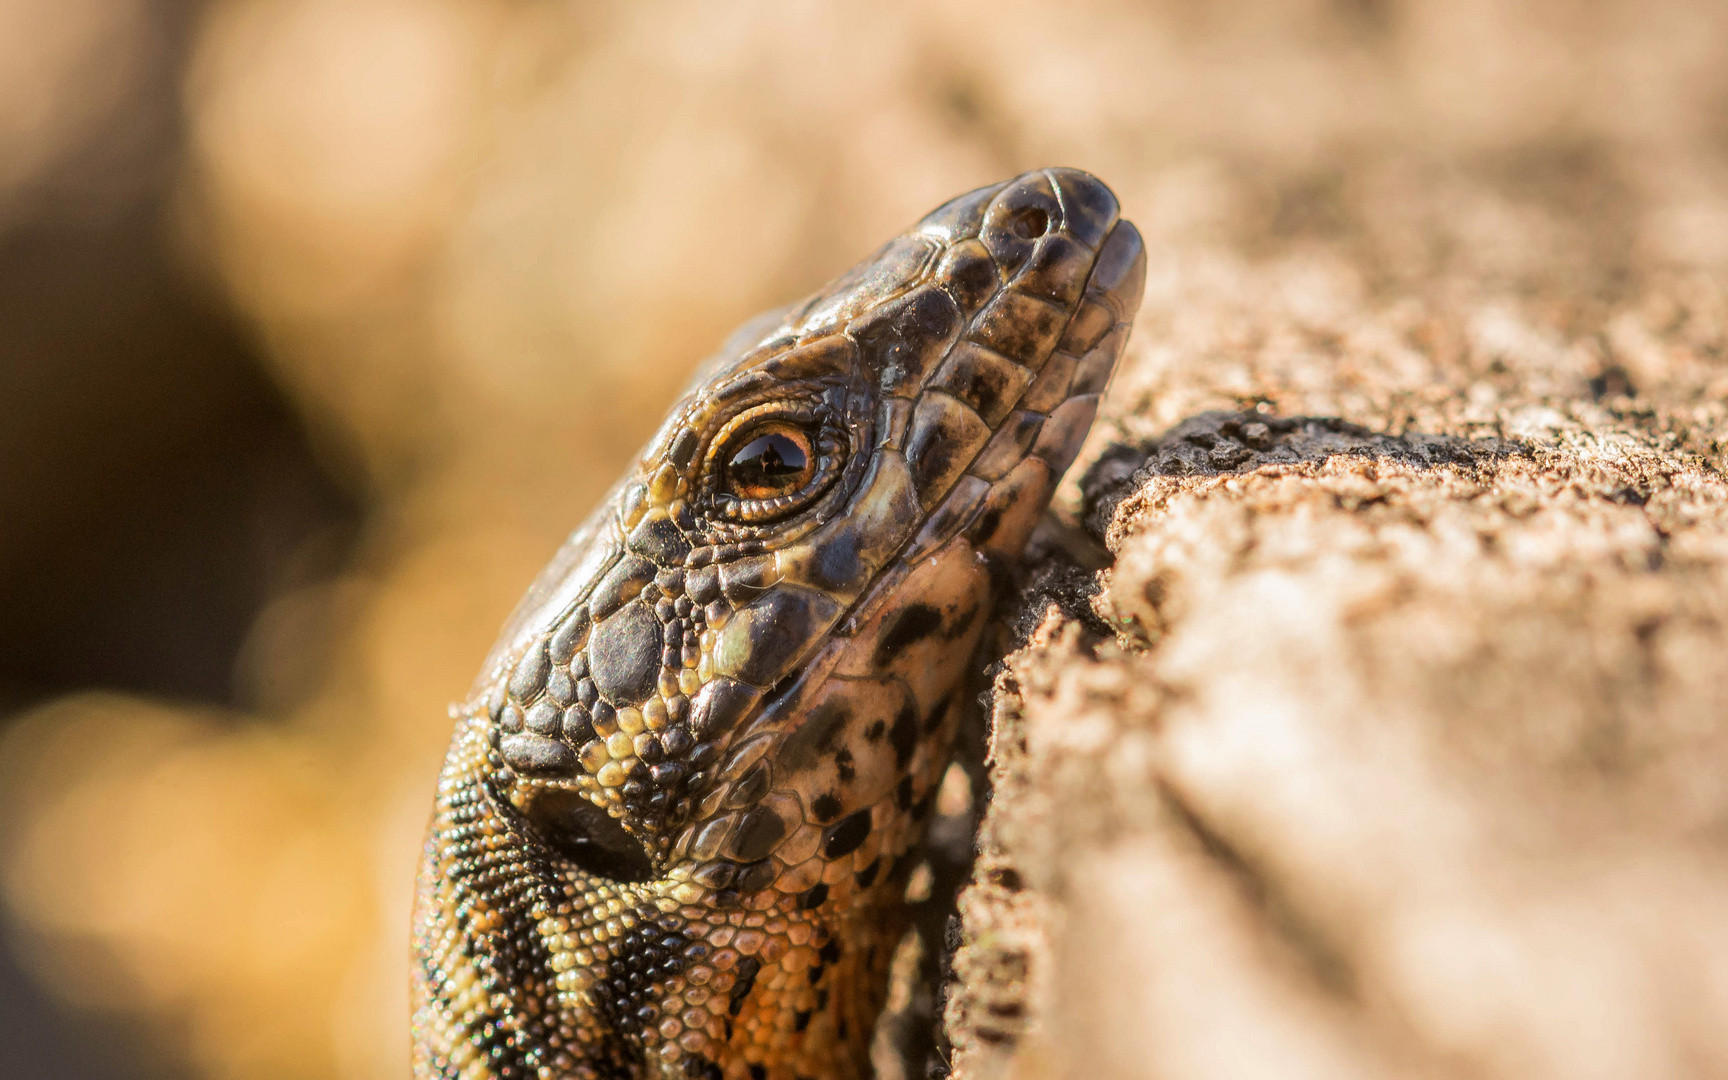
[322, 320]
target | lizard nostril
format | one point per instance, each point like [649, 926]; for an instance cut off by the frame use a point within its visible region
[1029, 223]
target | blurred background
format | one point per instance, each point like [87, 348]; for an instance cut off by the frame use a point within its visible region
[321, 322]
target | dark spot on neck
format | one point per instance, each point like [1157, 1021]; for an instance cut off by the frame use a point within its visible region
[914, 624]
[816, 736]
[747, 969]
[825, 806]
[867, 876]
[934, 720]
[847, 835]
[903, 736]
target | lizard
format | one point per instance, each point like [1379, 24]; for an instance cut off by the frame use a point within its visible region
[673, 830]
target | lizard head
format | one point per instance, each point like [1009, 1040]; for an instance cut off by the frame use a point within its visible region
[711, 733]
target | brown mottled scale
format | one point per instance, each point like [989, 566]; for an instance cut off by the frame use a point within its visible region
[672, 833]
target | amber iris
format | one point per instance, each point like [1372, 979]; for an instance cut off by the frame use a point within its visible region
[775, 462]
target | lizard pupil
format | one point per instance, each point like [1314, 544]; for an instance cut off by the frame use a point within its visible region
[772, 464]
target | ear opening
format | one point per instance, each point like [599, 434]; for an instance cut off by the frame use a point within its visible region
[587, 837]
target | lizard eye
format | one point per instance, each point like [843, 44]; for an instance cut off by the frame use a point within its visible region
[772, 461]
[775, 460]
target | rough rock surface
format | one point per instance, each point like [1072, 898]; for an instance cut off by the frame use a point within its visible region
[1394, 740]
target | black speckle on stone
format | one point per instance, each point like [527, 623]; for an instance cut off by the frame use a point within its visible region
[953, 933]
[1612, 381]
[845, 836]
[1006, 878]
